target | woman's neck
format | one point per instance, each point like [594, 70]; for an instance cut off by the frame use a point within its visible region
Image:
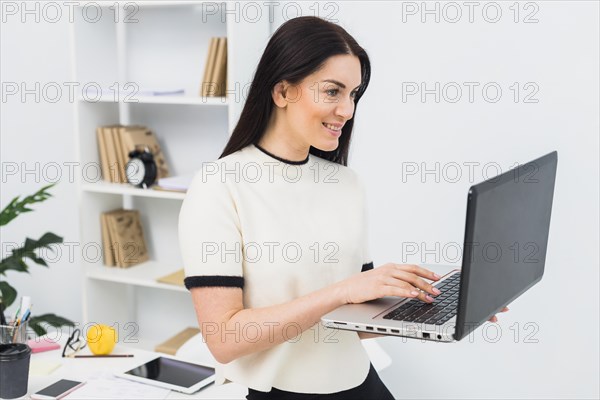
[284, 147]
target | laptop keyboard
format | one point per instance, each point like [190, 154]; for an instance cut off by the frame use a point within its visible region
[441, 310]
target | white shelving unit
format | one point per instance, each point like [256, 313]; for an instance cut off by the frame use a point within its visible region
[181, 100]
[164, 48]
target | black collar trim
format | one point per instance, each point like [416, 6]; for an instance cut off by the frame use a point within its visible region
[282, 159]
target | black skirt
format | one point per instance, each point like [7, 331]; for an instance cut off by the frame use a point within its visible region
[372, 388]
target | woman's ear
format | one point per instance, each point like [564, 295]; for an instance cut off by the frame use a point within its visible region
[279, 94]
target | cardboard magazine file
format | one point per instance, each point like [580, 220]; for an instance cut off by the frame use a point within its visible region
[127, 236]
[111, 153]
[108, 155]
[209, 66]
[109, 257]
[120, 154]
[103, 153]
[108, 242]
[140, 137]
[220, 71]
[124, 144]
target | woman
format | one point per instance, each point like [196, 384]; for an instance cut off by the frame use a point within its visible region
[273, 234]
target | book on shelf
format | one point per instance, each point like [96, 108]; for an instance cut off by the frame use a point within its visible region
[140, 137]
[113, 166]
[121, 158]
[108, 254]
[103, 152]
[115, 142]
[208, 66]
[214, 80]
[123, 241]
[178, 183]
[220, 72]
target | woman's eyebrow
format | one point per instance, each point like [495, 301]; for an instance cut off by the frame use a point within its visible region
[340, 84]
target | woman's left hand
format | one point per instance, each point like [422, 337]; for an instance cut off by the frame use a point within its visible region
[494, 318]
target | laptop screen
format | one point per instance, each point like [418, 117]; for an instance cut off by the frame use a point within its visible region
[506, 237]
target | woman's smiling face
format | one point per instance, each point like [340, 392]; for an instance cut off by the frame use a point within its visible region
[321, 104]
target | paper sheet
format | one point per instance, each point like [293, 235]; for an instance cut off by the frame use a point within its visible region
[42, 367]
[110, 387]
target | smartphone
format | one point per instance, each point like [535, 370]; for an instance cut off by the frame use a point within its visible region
[57, 390]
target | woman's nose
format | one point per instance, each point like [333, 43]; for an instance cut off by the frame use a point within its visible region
[345, 108]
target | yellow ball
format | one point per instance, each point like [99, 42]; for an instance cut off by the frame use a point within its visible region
[101, 339]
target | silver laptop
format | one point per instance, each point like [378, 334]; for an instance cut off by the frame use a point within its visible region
[504, 253]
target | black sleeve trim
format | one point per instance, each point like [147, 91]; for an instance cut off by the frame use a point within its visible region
[213, 281]
[367, 267]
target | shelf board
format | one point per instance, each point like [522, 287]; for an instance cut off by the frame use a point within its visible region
[143, 274]
[126, 189]
[177, 100]
[156, 3]
[146, 3]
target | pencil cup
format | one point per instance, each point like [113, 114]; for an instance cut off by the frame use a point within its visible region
[11, 334]
[14, 370]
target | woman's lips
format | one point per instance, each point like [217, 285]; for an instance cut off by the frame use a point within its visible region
[332, 132]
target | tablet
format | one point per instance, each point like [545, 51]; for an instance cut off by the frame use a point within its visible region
[173, 374]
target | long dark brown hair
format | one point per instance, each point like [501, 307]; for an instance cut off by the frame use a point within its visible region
[298, 48]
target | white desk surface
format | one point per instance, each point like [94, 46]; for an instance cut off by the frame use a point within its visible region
[83, 369]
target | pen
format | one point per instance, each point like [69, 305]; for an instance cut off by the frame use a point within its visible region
[25, 303]
[103, 355]
[14, 321]
[25, 316]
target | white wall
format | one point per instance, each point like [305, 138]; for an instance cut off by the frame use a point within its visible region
[559, 54]
[36, 148]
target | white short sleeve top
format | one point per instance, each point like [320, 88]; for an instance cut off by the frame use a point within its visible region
[278, 230]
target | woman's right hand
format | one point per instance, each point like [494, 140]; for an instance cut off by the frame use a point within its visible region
[402, 280]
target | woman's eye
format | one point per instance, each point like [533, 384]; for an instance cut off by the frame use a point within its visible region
[332, 92]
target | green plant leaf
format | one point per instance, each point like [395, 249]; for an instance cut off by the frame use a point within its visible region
[15, 260]
[38, 260]
[51, 319]
[7, 293]
[14, 263]
[36, 326]
[47, 239]
[16, 207]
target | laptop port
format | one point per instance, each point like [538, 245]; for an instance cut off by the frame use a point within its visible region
[395, 331]
[369, 328]
[382, 329]
[341, 323]
[440, 337]
[425, 335]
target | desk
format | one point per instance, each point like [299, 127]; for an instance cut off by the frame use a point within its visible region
[83, 369]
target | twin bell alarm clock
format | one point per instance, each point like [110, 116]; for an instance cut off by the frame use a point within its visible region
[141, 169]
